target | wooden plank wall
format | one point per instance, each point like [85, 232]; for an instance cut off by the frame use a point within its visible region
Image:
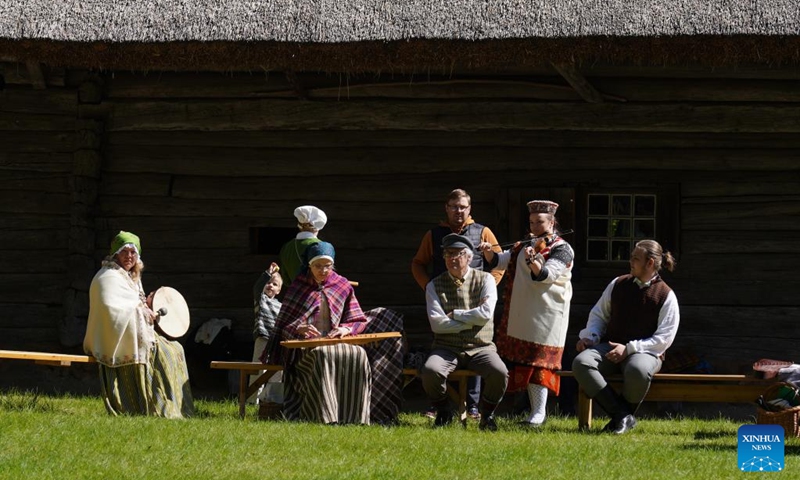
[193, 161]
[37, 134]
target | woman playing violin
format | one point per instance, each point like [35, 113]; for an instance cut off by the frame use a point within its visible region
[533, 327]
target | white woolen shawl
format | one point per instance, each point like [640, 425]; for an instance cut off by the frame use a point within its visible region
[117, 333]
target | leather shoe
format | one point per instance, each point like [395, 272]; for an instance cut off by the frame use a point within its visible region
[487, 423]
[624, 425]
[444, 417]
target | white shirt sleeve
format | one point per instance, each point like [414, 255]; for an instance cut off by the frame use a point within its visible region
[502, 259]
[599, 316]
[483, 312]
[440, 322]
[669, 318]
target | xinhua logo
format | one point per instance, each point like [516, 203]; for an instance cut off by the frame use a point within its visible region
[761, 448]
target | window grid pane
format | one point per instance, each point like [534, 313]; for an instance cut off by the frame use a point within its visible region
[616, 221]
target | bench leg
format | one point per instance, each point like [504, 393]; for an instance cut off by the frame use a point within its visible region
[243, 381]
[584, 410]
[462, 400]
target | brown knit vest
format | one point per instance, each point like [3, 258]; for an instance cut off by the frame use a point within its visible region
[465, 297]
[634, 310]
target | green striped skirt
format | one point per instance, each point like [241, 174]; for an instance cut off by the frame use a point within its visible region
[329, 384]
[159, 387]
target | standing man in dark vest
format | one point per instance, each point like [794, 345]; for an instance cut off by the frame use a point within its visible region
[429, 261]
[460, 304]
[628, 331]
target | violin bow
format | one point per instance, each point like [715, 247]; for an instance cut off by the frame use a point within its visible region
[533, 239]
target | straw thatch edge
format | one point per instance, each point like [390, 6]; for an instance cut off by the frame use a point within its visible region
[408, 56]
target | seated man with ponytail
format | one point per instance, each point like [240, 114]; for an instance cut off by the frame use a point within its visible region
[628, 331]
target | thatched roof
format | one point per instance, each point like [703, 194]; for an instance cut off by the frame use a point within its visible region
[328, 21]
[277, 31]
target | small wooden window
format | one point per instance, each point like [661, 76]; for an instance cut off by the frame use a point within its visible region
[615, 222]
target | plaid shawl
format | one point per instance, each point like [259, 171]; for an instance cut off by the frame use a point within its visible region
[301, 305]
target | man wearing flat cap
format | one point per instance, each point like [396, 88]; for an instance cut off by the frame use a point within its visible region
[310, 220]
[458, 208]
[460, 304]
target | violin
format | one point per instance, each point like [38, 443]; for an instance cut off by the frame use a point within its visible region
[540, 243]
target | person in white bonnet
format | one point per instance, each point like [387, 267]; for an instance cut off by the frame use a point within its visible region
[310, 220]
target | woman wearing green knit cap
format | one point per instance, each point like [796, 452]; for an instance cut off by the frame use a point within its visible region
[141, 372]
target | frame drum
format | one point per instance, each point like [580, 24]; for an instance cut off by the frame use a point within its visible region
[174, 320]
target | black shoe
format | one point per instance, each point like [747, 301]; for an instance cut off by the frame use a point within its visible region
[444, 417]
[624, 425]
[488, 423]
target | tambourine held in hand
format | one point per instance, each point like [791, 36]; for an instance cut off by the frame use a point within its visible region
[174, 319]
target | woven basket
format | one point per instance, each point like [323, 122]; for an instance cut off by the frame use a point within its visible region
[270, 411]
[788, 418]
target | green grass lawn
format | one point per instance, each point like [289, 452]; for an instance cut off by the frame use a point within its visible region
[46, 437]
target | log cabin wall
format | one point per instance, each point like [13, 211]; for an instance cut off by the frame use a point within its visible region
[38, 134]
[195, 163]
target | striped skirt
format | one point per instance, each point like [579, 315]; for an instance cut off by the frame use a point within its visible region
[346, 383]
[329, 384]
[158, 388]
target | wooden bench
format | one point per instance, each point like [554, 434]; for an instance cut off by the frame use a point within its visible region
[246, 390]
[43, 358]
[678, 387]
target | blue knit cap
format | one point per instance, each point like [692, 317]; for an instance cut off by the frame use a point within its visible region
[318, 250]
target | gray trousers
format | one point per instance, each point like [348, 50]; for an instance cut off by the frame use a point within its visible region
[442, 362]
[591, 366]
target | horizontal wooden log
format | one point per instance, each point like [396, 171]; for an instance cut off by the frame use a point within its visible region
[38, 142]
[20, 315]
[39, 162]
[33, 261]
[462, 163]
[429, 188]
[20, 122]
[19, 221]
[56, 182]
[698, 90]
[17, 74]
[444, 116]
[605, 69]
[34, 202]
[170, 232]
[346, 211]
[139, 184]
[746, 351]
[744, 291]
[29, 338]
[750, 188]
[421, 138]
[722, 322]
[730, 213]
[25, 240]
[745, 240]
[32, 288]
[52, 102]
[275, 85]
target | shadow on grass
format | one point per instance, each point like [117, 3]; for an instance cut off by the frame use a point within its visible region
[29, 401]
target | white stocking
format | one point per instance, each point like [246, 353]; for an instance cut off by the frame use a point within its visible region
[538, 397]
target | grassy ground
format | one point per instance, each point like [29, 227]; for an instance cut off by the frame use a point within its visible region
[46, 437]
